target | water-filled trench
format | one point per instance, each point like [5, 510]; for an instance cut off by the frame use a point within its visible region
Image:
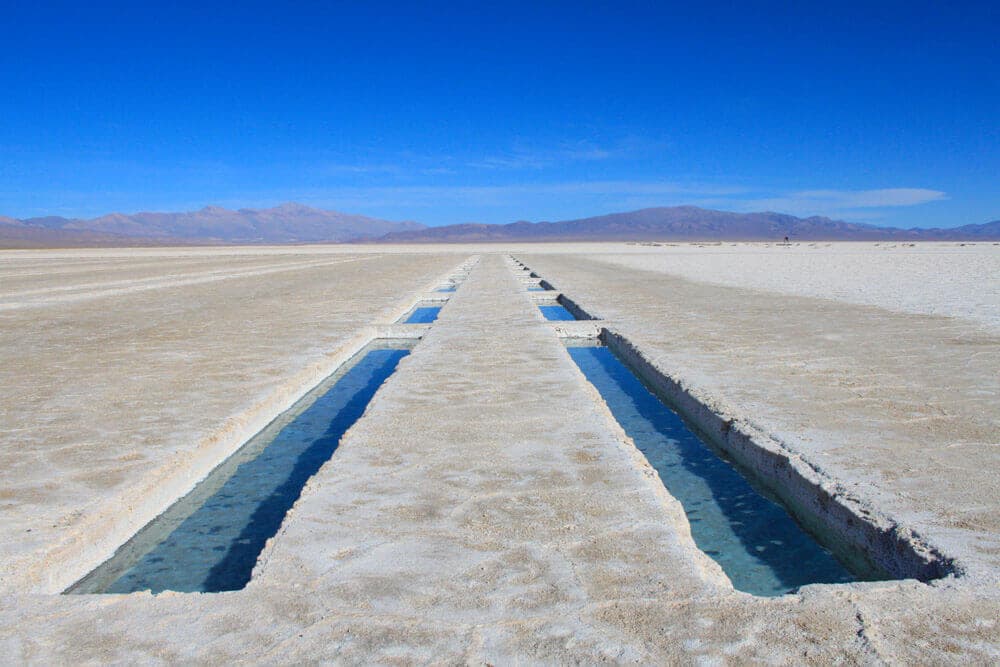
[752, 537]
[210, 539]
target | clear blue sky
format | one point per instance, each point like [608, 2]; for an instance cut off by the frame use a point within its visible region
[877, 112]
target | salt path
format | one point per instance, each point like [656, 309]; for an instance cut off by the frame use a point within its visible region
[487, 508]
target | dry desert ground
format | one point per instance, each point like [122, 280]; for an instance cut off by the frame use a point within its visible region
[488, 508]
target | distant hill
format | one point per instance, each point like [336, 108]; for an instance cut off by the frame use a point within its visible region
[689, 223]
[295, 223]
[288, 223]
[16, 234]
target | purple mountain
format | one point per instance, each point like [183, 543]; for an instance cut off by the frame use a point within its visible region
[689, 223]
[295, 223]
[288, 223]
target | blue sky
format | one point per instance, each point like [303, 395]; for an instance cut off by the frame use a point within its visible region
[459, 112]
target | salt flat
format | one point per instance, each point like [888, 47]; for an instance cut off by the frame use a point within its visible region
[950, 279]
[487, 508]
[125, 372]
[881, 395]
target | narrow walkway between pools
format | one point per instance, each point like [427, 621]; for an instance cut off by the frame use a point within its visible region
[485, 484]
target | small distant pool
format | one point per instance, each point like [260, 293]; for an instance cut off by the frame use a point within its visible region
[556, 313]
[449, 288]
[537, 289]
[422, 315]
[755, 540]
[210, 539]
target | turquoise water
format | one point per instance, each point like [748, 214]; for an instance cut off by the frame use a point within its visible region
[423, 315]
[557, 313]
[209, 540]
[757, 543]
[450, 288]
[537, 289]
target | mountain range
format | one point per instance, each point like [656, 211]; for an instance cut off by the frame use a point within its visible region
[288, 223]
[295, 223]
[689, 223]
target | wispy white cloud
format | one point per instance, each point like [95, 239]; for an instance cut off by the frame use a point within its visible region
[876, 198]
[503, 202]
[657, 193]
[523, 156]
[570, 199]
[519, 157]
[390, 169]
[651, 193]
[846, 200]
[843, 201]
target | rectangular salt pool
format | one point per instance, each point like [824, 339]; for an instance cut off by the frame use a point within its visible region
[753, 538]
[210, 539]
[556, 313]
[421, 315]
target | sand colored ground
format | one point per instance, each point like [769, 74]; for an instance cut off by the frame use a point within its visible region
[486, 509]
